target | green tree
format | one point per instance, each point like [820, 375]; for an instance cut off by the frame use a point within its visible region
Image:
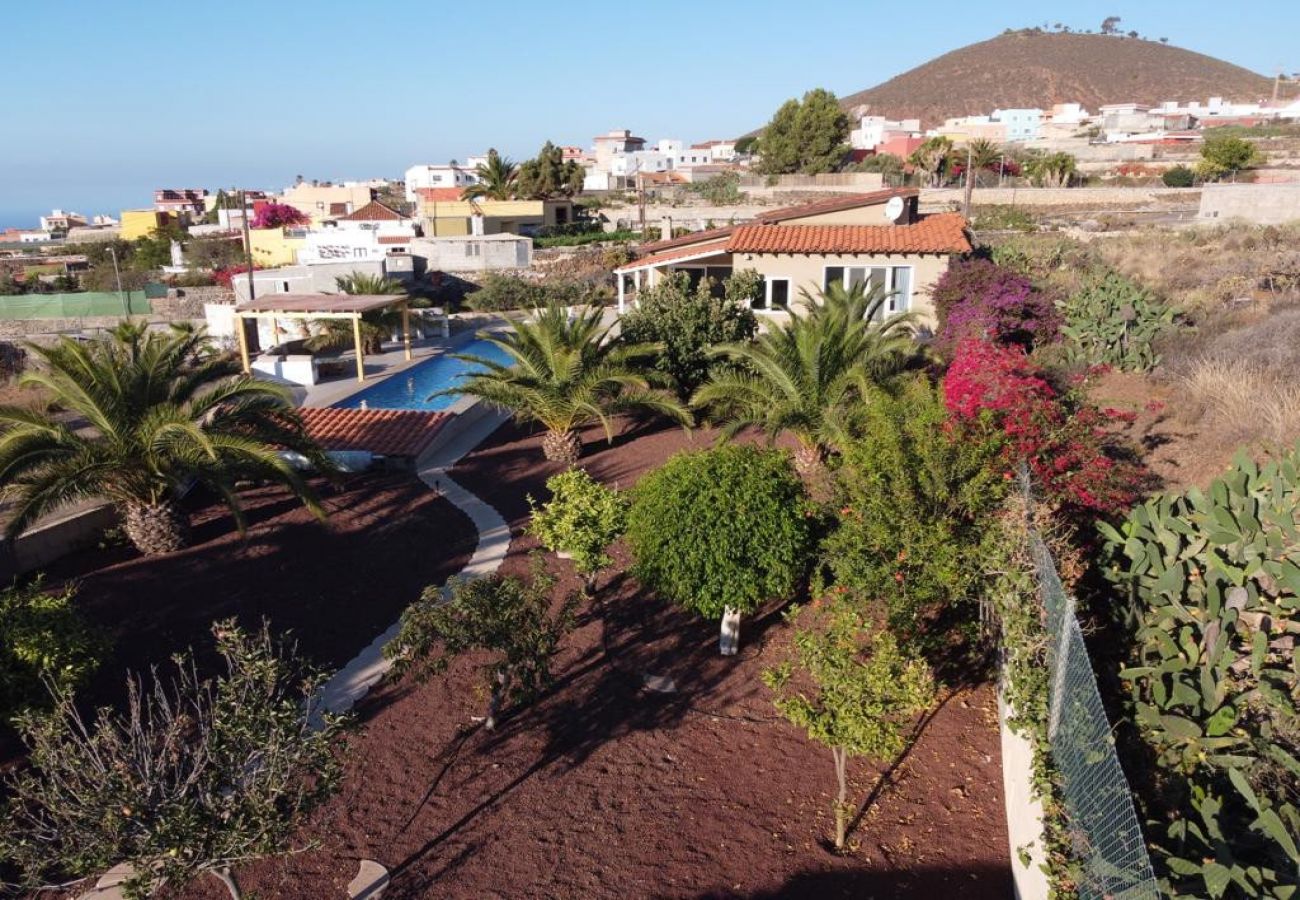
[549, 176]
[981, 154]
[510, 618]
[1050, 169]
[1224, 155]
[155, 421]
[721, 531]
[565, 373]
[850, 686]
[496, 179]
[807, 375]
[933, 159]
[193, 778]
[582, 518]
[43, 640]
[1178, 177]
[887, 164]
[805, 136]
[686, 326]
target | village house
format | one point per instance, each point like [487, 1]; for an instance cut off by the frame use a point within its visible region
[878, 238]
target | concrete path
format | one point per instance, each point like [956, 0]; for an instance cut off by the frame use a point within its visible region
[355, 679]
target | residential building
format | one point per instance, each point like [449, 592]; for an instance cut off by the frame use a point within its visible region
[184, 203]
[456, 218]
[1067, 114]
[138, 223]
[320, 201]
[878, 238]
[473, 253]
[1124, 118]
[961, 129]
[719, 151]
[900, 146]
[276, 246]
[451, 175]
[62, 220]
[614, 143]
[1021, 124]
[374, 232]
[872, 131]
[321, 278]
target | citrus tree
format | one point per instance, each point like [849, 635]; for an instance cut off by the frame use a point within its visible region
[582, 518]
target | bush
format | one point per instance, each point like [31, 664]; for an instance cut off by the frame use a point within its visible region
[1214, 589]
[509, 617]
[1114, 321]
[1178, 177]
[499, 293]
[978, 298]
[43, 640]
[589, 237]
[192, 778]
[1003, 218]
[582, 518]
[720, 190]
[719, 529]
[850, 686]
[688, 325]
[914, 496]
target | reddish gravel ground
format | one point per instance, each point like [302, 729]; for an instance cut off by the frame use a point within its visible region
[603, 789]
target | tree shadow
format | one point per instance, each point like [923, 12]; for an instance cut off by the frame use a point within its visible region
[976, 881]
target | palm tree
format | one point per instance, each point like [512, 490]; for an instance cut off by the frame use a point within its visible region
[564, 373]
[336, 334]
[496, 179]
[151, 413]
[807, 375]
[981, 153]
[932, 159]
[1051, 169]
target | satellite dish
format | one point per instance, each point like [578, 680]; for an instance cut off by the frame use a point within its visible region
[894, 209]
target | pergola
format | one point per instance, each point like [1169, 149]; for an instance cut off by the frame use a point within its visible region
[320, 306]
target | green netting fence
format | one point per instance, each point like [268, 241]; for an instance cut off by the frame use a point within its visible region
[79, 305]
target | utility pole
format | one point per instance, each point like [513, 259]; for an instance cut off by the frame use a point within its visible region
[970, 180]
[126, 307]
[248, 326]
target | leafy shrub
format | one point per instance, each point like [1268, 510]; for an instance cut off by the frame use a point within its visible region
[582, 518]
[195, 776]
[1178, 177]
[509, 617]
[913, 497]
[42, 638]
[499, 293]
[588, 237]
[1064, 439]
[850, 686]
[721, 528]
[980, 299]
[720, 190]
[1114, 321]
[1214, 588]
[1003, 218]
[688, 324]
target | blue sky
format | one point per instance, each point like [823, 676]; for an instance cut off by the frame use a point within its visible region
[105, 101]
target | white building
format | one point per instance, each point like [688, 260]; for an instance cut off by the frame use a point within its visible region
[873, 131]
[62, 220]
[1022, 124]
[451, 175]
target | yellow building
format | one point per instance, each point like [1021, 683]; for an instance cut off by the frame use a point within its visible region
[138, 223]
[276, 246]
[454, 218]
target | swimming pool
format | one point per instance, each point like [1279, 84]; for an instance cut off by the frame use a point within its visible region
[411, 389]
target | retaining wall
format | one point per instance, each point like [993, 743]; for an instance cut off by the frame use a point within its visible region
[44, 544]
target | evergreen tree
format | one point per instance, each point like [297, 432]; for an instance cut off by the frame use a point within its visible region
[548, 176]
[805, 136]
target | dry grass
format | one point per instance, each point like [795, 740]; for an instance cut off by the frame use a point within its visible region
[1247, 401]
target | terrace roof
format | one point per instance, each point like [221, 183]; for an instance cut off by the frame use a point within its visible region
[317, 304]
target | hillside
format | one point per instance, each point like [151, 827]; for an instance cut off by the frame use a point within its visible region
[1038, 69]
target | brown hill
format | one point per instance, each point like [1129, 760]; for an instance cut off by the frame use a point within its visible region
[1037, 69]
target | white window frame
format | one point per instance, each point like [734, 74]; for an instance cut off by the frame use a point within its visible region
[892, 306]
[767, 306]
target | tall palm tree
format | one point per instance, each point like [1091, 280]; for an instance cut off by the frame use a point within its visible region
[336, 334]
[981, 154]
[932, 158]
[565, 373]
[150, 413]
[806, 376]
[496, 179]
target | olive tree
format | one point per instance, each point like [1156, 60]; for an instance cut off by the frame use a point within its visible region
[721, 532]
[196, 775]
[851, 686]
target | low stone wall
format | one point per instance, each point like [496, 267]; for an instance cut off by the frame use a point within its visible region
[187, 303]
[44, 544]
[38, 329]
[934, 199]
[1261, 204]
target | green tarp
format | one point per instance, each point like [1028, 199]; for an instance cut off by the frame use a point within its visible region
[76, 306]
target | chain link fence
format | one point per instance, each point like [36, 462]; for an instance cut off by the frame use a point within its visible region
[1103, 827]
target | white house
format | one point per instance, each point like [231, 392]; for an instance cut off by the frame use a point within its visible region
[451, 175]
[873, 131]
[373, 232]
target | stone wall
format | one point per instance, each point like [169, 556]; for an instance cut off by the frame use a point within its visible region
[935, 199]
[1260, 204]
[187, 303]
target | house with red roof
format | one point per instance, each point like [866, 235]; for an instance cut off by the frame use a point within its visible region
[876, 239]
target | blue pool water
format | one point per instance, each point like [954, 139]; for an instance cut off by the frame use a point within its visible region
[411, 389]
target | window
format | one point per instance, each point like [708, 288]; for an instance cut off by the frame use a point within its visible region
[359, 252]
[895, 281]
[773, 294]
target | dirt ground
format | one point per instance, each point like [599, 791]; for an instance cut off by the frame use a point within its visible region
[606, 789]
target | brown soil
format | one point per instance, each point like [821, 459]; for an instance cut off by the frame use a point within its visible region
[604, 789]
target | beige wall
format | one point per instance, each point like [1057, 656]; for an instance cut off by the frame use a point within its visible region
[860, 215]
[314, 200]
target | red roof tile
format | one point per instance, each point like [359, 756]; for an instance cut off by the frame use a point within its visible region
[374, 211]
[694, 237]
[388, 432]
[658, 259]
[394, 239]
[937, 233]
[437, 195]
[835, 204]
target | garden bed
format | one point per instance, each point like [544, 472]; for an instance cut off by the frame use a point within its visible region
[606, 789]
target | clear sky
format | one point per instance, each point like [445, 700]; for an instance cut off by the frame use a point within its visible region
[103, 101]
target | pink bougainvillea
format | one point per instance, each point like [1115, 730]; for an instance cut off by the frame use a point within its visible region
[978, 298]
[278, 215]
[1069, 444]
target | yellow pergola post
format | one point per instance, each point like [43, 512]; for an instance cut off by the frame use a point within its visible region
[243, 344]
[356, 338]
[406, 329]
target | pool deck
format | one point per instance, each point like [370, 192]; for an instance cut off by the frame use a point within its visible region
[380, 366]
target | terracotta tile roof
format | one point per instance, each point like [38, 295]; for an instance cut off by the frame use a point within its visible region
[374, 211]
[394, 239]
[437, 195]
[938, 233]
[835, 204]
[388, 432]
[695, 237]
[658, 259]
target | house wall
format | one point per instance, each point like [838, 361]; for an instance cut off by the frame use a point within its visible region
[315, 200]
[138, 223]
[469, 254]
[1262, 204]
[275, 247]
[319, 278]
[860, 215]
